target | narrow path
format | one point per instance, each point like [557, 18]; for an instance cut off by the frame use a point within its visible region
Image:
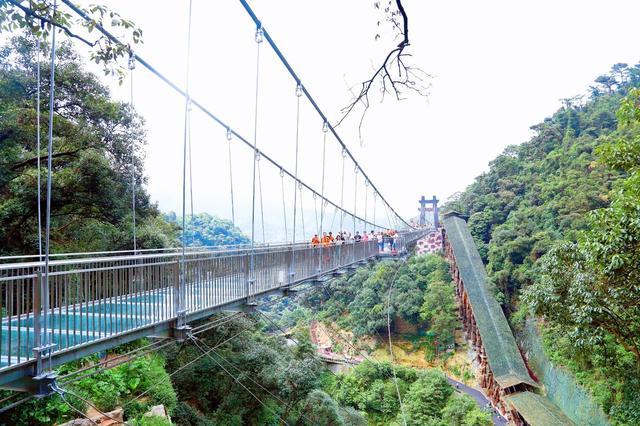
[480, 399]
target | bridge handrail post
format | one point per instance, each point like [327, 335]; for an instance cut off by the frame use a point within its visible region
[290, 265]
[177, 303]
[247, 277]
[41, 327]
[37, 327]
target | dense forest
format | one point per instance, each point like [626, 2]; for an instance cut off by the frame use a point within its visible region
[556, 220]
[204, 229]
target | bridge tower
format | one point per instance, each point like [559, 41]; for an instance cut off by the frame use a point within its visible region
[423, 211]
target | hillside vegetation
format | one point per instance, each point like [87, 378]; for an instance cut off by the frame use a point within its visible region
[557, 219]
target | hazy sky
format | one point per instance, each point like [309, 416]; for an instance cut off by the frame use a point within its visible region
[498, 67]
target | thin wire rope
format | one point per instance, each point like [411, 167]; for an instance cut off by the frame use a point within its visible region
[111, 362]
[355, 200]
[238, 380]
[133, 173]
[240, 371]
[342, 193]
[292, 267]
[255, 168]
[264, 240]
[16, 403]
[395, 378]
[386, 211]
[64, 399]
[333, 219]
[173, 373]
[284, 208]
[315, 208]
[284, 333]
[61, 392]
[191, 223]
[304, 232]
[45, 294]
[324, 155]
[366, 192]
[179, 306]
[38, 90]
[233, 210]
[295, 169]
[375, 202]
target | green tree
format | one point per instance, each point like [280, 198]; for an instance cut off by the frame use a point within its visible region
[39, 18]
[439, 310]
[462, 410]
[426, 398]
[94, 137]
[321, 410]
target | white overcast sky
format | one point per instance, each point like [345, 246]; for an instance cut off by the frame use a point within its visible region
[498, 67]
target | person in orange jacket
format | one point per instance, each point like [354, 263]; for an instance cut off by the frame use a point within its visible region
[315, 241]
[326, 240]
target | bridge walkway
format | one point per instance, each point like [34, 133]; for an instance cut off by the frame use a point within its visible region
[96, 303]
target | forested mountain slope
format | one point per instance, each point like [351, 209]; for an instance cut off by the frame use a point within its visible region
[557, 219]
[539, 191]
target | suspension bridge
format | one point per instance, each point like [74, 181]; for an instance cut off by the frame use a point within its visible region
[56, 308]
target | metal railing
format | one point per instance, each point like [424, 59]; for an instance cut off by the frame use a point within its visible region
[98, 298]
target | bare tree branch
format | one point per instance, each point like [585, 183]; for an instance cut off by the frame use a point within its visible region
[394, 76]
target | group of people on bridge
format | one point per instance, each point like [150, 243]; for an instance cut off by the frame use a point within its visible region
[387, 240]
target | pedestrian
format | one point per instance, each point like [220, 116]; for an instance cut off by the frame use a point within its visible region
[339, 238]
[365, 236]
[315, 241]
[357, 237]
[331, 239]
[325, 239]
[380, 239]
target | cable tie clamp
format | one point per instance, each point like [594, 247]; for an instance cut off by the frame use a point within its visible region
[132, 61]
[259, 34]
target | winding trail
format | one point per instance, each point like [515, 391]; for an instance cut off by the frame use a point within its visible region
[480, 399]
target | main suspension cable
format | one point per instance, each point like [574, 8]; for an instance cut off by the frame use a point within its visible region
[286, 64]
